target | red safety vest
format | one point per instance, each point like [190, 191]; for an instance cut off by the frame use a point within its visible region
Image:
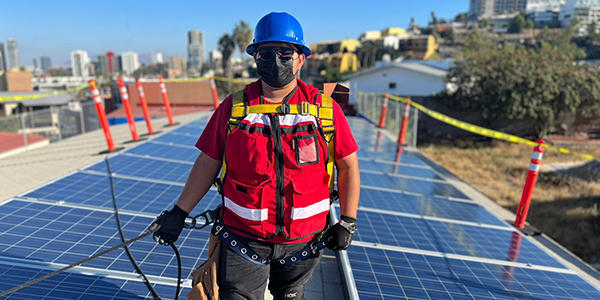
[277, 174]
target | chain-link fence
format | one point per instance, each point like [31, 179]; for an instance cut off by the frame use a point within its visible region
[53, 124]
[369, 105]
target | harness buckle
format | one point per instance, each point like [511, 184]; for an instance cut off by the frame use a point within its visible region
[285, 108]
[304, 108]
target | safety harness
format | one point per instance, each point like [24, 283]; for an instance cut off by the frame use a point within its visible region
[324, 114]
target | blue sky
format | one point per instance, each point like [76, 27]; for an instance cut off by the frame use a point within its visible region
[55, 28]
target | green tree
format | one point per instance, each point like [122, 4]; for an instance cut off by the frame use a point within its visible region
[461, 17]
[485, 23]
[152, 70]
[242, 34]
[593, 35]
[519, 83]
[227, 47]
[448, 34]
[517, 24]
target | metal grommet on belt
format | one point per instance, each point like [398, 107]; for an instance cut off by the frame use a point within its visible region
[304, 253]
[282, 261]
[254, 257]
[225, 235]
[233, 243]
[293, 258]
[243, 250]
[264, 261]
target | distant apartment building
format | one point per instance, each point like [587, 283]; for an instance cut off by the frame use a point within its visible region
[216, 58]
[483, 8]
[177, 66]
[3, 65]
[156, 58]
[130, 62]
[79, 63]
[13, 54]
[585, 11]
[113, 62]
[369, 35]
[46, 63]
[103, 65]
[195, 39]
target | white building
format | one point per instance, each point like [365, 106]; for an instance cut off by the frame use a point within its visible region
[79, 63]
[130, 62]
[156, 58]
[544, 5]
[215, 57]
[13, 54]
[406, 78]
[195, 49]
[586, 11]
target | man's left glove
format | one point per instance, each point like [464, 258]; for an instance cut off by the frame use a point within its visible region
[171, 224]
[339, 236]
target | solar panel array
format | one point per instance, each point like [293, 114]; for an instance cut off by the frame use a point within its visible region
[419, 237]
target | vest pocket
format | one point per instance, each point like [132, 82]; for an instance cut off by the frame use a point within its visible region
[245, 200]
[310, 204]
[307, 149]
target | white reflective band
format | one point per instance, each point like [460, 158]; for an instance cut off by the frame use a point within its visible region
[534, 167]
[163, 90]
[141, 94]
[95, 93]
[124, 96]
[247, 213]
[311, 210]
[97, 100]
[162, 86]
[285, 120]
[123, 90]
[385, 102]
[537, 155]
[212, 84]
[407, 113]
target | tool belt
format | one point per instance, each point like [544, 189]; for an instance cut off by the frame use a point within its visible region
[204, 282]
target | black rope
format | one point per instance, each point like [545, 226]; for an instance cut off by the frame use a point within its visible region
[119, 226]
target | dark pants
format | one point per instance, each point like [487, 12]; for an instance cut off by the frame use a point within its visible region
[240, 279]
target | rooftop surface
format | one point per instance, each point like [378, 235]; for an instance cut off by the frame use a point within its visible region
[423, 234]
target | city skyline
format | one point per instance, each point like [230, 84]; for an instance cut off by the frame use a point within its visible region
[163, 28]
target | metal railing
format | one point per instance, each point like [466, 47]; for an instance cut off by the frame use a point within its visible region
[54, 123]
[369, 105]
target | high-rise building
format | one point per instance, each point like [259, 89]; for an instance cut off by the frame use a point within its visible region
[215, 57]
[509, 6]
[484, 8]
[195, 39]
[156, 58]
[35, 65]
[79, 63]
[13, 54]
[103, 65]
[130, 62]
[585, 11]
[3, 65]
[46, 63]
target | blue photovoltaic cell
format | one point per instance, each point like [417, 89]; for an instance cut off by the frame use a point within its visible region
[191, 130]
[71, 286]
[131, 195]
[391, 156]
[166, 151]
[145, 168]
[447, 237]
[64, 235]
[384, 274]
[423, 187]
[428, 206]
[399, 169]
[178, 139]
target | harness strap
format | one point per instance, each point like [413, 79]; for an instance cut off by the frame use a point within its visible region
[303, 108]
[246, 252]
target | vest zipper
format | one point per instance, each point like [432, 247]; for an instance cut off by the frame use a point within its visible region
[279, 175]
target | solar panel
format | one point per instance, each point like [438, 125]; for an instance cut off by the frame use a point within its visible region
[72, 285]
[143, 167]
[422, 187]
[168, 151]
[400, 169]
[387, 228]
[426, 206]
[391, 156]
[179, 139]
[191, 130]
[385, 274]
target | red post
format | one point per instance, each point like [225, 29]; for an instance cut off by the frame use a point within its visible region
[398, 158]
[378, 142]
[213, 87]
[102, 114]
[383, 110]
[163, 91]
[402, 135]
[127, 105]
[144, 105]
[513, 256]
[532, 174]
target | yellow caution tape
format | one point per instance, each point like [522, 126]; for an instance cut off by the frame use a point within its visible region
[486, 132]
[232, 80]
[37, 96]
[187, 80]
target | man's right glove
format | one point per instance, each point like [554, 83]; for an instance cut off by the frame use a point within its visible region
[339, 236]
[171, 223]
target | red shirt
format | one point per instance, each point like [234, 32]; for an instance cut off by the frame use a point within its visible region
[212, 140]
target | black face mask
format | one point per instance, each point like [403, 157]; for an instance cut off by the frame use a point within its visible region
[276, 72]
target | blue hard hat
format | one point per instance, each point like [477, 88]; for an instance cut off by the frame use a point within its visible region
[278, 27]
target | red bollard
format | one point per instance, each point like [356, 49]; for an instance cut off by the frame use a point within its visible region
[101, 114]
[127, 105]
[532, 175]
[398, 158]
[144, 105]
[213, 87]
[383, 110]
[163, 91]
[402, 135]
[513, 256]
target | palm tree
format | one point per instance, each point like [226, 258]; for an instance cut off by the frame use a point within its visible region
[242, 34]
[227, 47]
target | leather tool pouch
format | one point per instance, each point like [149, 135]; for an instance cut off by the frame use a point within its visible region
[204, 284]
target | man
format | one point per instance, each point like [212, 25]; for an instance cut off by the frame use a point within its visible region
[276, 189]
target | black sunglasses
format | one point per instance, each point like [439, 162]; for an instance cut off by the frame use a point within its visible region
[267, 52]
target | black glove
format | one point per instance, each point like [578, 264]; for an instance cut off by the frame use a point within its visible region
[171, 224]
[339, 237]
